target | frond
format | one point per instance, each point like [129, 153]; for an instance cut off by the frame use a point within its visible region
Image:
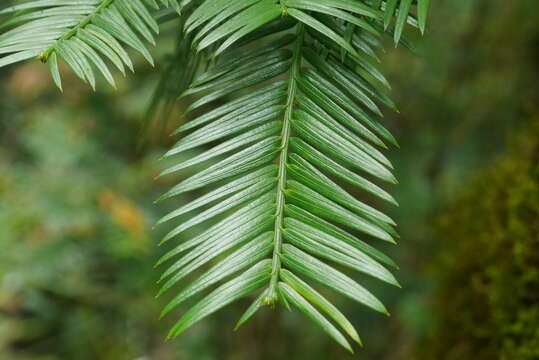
[291, 114]
[83, 33]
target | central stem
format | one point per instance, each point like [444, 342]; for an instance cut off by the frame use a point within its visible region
[281, 185]
[68, 35]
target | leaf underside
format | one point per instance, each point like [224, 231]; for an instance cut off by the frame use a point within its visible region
[284, 125]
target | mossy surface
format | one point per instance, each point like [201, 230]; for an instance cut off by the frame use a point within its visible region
[487, 301]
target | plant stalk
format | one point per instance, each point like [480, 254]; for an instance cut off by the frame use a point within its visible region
[272, 297]
[85, 21]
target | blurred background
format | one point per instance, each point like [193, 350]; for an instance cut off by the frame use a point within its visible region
[77, 186]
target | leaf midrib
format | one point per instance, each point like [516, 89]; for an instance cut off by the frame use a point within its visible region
[271, 297]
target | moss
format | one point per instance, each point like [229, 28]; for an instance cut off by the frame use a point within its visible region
[487, 301]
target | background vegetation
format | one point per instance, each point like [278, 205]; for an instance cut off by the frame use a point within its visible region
[76, 189]
[487, 303]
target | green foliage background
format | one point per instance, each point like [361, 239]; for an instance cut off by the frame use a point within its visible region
[76, 189]
[487, 304]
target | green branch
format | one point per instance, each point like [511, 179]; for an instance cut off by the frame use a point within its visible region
[68, 35]
[281, 185]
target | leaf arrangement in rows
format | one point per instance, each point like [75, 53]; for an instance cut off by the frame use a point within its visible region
[285, 123]
[83, 33]
[285, 142]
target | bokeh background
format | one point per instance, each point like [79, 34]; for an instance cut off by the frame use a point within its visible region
[77, 186]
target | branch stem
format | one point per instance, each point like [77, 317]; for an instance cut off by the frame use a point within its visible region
[272, 297]
[68, 35]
